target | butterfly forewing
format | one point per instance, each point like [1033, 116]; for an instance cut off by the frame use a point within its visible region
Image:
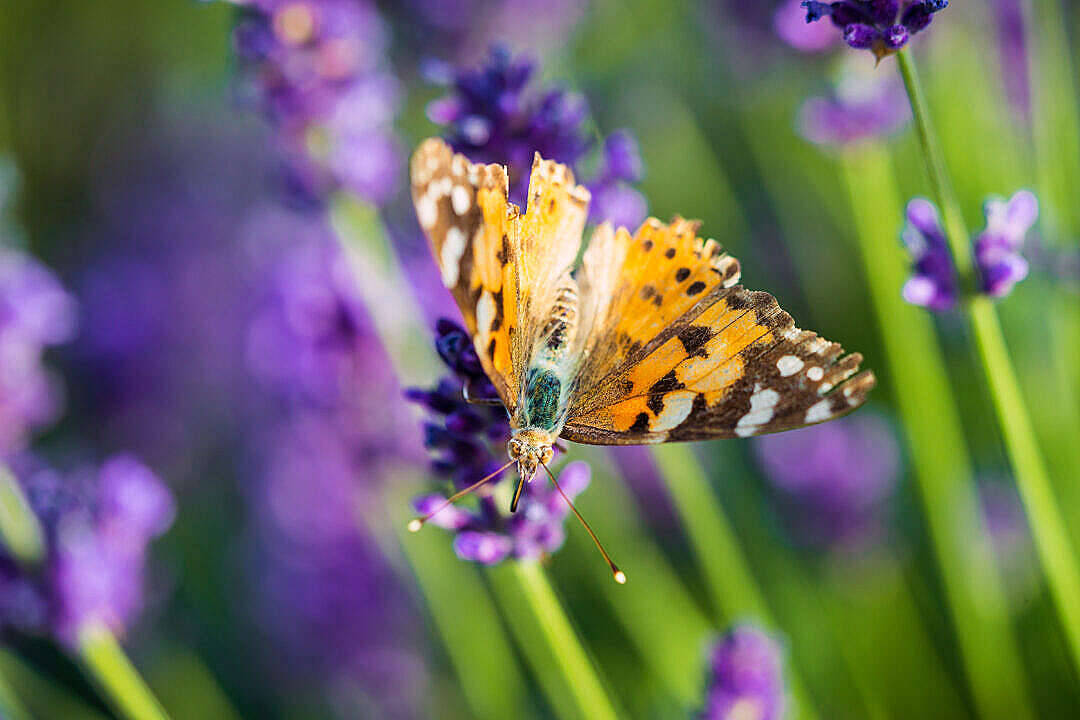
[504, 268]
[682, 353]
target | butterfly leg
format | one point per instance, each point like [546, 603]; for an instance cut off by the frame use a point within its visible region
[467, 393]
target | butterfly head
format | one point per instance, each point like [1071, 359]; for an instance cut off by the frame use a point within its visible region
[529, 448]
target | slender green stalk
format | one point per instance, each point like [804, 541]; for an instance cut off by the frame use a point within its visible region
[586, 689]
[939, 455]
[731, 585]
[1055, 115]
[106, 663]
[549, 643]
[1048, 528]
[19, 528]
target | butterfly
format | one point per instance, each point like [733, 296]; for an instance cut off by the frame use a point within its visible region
[649, 340]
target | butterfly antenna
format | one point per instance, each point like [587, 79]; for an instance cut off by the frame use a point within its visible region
[619, 575]
[418, 522]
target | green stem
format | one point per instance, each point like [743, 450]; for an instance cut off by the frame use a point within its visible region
[939, 455]
[581, 680]
[113, 672]
[19, 527]
[10, 706]
[727, 574]
[1032, 479]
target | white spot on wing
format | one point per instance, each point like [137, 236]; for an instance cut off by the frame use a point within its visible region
[762, 405]
[815, 373]
[789, 365]
[819, 411]
[459, 198]
[485, 312]
[453, 248]
[427, 212]
[677, 407]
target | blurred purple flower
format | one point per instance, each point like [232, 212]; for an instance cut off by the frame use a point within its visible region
[35, 313]
[863, 105]
[789, 21]
[318, 71]
[745, 677]
[325, 420]
[535, 530]
[491, 117]
[933, 282]
[468, 441]
[997, 247]
[835, 476]
[1012, 48]
[613, 198]
[997, 250]
[881, 26]
[98, 524]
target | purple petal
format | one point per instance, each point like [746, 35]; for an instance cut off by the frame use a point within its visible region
[790, 24]
[924, 216]
[486, 548]
[451, 517]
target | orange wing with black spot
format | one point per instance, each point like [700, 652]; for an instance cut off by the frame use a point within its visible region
[503, 268]
[678, 351]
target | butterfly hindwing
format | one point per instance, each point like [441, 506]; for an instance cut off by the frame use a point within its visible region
[682, 353]
[503, 268]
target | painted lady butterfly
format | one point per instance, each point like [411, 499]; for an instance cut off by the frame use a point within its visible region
[650, 340]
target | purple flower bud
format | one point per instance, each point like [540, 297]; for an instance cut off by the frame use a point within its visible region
[746, 677]
[456, 349]
[918, 15]
[861, 36]
[933, 284]
[896, 37]
[997, 247]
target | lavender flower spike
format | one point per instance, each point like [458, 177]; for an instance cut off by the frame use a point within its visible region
[99, 525]
[880, 26]
[746, 677]
[997, 247]
[933, 283]
[469, 442]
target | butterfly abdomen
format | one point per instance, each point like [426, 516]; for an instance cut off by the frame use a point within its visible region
[561, 326]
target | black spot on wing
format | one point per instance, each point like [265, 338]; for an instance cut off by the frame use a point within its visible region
[695, 288]
[681, 274]
[693, 339]
[497, 322]
[669, 253]
[641, 423]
